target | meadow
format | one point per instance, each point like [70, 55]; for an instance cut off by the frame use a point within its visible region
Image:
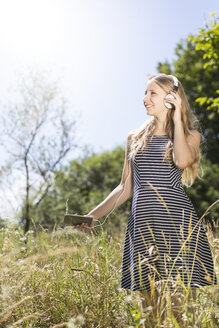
[68, 278]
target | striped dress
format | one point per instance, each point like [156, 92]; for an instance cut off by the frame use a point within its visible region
[165, 241]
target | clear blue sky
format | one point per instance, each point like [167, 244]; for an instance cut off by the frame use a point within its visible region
[102, 49]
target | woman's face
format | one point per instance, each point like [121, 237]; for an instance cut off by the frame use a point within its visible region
[154, 99]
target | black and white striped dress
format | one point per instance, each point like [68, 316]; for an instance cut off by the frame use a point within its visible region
[164, 239]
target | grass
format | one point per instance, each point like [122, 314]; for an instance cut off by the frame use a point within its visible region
[68, 278]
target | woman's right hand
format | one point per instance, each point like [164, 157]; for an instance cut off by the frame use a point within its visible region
[84, 226]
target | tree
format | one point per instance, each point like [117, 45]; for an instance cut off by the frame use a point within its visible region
[37, 134]
[207, 42]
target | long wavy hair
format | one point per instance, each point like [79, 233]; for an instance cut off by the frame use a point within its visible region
[138, 138]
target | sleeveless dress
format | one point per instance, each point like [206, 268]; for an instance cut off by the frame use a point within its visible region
[164, 238]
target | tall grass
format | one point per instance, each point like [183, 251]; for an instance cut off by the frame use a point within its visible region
[68, 278]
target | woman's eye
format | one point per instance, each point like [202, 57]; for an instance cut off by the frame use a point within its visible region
[151, 93]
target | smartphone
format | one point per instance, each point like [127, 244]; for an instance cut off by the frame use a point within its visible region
[75, 219]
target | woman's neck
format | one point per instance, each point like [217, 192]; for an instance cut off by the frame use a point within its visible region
[159, 132]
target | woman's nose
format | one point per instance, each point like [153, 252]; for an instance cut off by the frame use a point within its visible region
[145, 98]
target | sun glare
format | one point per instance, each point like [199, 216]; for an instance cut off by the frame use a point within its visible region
[29, 27]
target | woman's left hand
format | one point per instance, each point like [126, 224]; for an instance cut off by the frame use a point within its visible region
[177, 116]
[84, 226]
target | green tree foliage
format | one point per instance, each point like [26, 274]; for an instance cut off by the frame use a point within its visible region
[83, 184]
[207, 41]
[205, 192]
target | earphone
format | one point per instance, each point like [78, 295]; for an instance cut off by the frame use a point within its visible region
[175, 89]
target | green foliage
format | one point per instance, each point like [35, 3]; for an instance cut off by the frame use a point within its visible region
[205, 192]
[207, 43]
[84, 183]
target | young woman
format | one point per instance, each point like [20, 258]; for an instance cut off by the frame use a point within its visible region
[165, 241]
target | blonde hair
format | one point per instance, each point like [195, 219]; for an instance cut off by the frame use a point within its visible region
[138, 138]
